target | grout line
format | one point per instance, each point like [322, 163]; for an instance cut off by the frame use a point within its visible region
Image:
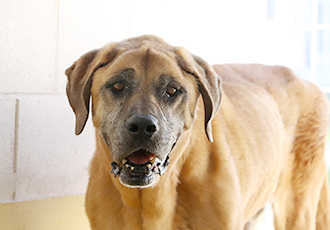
[14, 196]
[16, 136]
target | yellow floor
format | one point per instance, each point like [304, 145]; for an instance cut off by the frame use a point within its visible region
[64, 213]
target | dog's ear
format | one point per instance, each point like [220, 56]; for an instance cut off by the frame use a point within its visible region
[209, 84]
[79, 84]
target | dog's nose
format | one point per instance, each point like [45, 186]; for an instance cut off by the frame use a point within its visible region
[142, 126]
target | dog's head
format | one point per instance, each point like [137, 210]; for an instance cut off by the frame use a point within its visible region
[144, 96]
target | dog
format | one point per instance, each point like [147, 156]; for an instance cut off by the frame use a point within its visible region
[168, 156]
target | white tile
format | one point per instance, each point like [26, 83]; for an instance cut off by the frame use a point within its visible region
[28, 45]
[52, 161]
[7, 140]
[87, 25]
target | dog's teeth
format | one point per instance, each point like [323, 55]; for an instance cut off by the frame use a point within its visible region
[132, 168]
[124, 161]
[149, 166]
[127, 165]
[153, 160]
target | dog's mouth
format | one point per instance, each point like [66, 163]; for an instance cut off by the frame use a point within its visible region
[139, 169]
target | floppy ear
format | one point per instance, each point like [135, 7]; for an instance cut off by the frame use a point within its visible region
[209, 84]
[78, 88]
[80, 77]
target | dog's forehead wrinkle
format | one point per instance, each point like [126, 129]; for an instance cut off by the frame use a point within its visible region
[155, 60]
[145, 61]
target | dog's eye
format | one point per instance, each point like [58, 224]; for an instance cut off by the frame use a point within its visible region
[119, 86]
[170, 91]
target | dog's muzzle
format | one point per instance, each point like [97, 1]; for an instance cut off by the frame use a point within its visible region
[139, 169]
[142, 175]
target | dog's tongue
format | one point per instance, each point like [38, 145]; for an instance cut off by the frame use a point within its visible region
[140, 157]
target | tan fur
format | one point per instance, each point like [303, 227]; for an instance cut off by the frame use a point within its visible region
[269, 143]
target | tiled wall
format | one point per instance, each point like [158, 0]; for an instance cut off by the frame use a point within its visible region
[40, 156]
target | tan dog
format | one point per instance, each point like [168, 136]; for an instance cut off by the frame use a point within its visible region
[155, 166]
